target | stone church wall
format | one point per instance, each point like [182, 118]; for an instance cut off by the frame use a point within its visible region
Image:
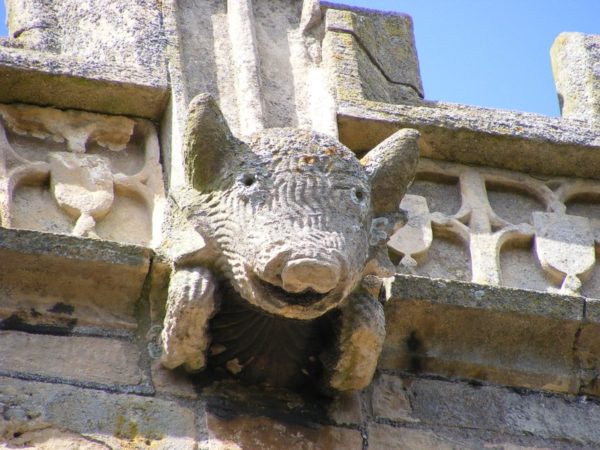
[492, 320]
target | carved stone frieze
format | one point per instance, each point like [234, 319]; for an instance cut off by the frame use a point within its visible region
[490, 213]
[79, 173]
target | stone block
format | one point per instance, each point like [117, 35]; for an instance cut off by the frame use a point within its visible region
[473, 135]
[58, 284]
[462, 405]
[511, 337]
[51, 58]
[576, 67]
[65, 82]
[387, 39]
[385, 437]
[172, 382]
[265, 433]
[390, 399]
[71, 416]
[42, 436]
[346, 408]
[587, 354]
[71, 359]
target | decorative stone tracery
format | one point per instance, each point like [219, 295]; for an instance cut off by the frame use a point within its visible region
[80, 173]
[537, 214]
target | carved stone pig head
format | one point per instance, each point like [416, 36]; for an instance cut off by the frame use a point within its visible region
[292, 218]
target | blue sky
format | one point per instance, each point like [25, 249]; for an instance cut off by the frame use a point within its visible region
[488, 52]
[491, 52]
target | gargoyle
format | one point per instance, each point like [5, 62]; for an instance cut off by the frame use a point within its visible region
[293, 223]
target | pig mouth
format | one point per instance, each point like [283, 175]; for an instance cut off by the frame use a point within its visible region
[307, 297]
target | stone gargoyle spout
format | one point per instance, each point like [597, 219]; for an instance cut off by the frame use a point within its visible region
[293, 222]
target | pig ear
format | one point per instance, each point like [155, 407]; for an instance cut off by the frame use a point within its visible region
[208, 144]
[391, 168]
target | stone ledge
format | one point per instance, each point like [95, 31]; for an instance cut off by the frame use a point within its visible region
[491, 298]
[512, 140]
[63, 284]
[507, 336]
[43, 78]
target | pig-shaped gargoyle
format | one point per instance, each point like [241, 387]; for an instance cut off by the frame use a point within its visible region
[292, 223]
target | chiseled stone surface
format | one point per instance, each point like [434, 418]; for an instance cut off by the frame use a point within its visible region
[274, 63]
[576, 67]
[42, 412]
[262, 433]
[70, 358]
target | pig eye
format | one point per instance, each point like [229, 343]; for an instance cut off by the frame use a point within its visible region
[358, 195]
[248, 179]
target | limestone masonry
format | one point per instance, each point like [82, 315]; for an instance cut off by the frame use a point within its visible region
[210, 240]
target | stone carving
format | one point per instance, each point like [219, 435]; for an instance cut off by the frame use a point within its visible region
[292, 223]
[79, 173]
[563, 241]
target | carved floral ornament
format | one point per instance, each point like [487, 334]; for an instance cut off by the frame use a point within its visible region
[84, 159]
[564, 244]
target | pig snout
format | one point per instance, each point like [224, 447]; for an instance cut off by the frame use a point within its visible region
[296, 274]
[299, 275]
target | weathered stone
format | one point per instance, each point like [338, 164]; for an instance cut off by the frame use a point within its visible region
[458, 329]
[346, 408]
[170, 382]
[118, 69]
[387, 39]
[576, 68]
[587, 354]
[390, 400]
[64, 283]
[416, 236]
[74, 359]
[267, 70]
[42, 436]
[70, 414]
[385, 437]
[264, 433]
[472, 135]
[455, 404]
[565, 247]
[494, 299]
[310, 241]
[500, 216]
[83, 187]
